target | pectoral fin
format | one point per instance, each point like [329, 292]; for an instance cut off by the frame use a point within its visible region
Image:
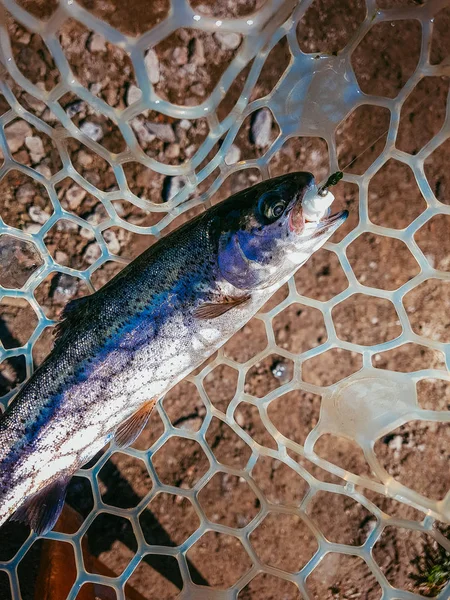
[41, 511]
[211, 310]
[129, 430]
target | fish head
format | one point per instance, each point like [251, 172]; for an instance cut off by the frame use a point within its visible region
[266, 232]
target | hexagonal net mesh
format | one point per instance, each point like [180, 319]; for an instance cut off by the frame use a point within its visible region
[282, 456]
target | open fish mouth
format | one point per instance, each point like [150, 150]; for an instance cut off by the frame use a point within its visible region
[327, 223]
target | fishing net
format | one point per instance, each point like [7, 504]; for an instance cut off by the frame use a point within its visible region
[105, 146]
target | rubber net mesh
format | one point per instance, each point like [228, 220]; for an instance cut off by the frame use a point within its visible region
[317, 97]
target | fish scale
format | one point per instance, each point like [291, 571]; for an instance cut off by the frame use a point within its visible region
[125, 346]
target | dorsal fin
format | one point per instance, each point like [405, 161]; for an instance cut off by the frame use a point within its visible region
[41, 511]
[74, 312]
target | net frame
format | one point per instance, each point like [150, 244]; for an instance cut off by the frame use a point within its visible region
[296, 115]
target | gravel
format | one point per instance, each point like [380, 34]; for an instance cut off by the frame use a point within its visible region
[233, 155]
[75, 196]
[228, 41]
[92, 130]
[92, 253]
[152, 66]
[36, 147]
[261, 128]
[25, 193]
[163, 131]
[75, 107]
[97, 43]
[37, 215]
[16, 133]
[134, 94]
[111, 241]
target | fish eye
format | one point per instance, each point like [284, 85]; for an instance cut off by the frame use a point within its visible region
[271, 206]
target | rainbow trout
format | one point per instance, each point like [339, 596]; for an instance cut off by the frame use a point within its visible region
[119, 350]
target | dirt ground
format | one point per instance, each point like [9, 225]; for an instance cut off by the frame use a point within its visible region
[188, 66]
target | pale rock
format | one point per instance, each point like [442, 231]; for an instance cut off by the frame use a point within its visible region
[111, 241]
[172, 151]
[44, 170]
[228, 40]
[66, 287]
[198, 89]
[75, 196]
[119, 208]
[152, 65]
[97, 43]
[163, 131]
[36, 147]
[37, 215]
[16, 133]
[61, 257]
[185, 124]
[143, 134]
[134, 94]
[261, 128]
[180, 55]
[190, 150]
[233, 155]
[32, 228]
[25, 193]
[92, 253]
[37, 105]
[198, 53]
[75, 107]
[87, 234]
[92, 130]
[96, 88]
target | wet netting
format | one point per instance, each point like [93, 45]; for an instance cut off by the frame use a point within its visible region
[317, 439]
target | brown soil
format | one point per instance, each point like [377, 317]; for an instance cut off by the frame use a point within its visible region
[416, 454]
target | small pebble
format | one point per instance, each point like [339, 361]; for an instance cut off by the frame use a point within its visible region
[85, 159]
[36, 147]
[228, 40]
[44, 170]
[92, 130]
[233, 155]
[66, 286]
[75, 196]
[87, 234]
[32, 228]
[163, 131]
[185, 124]
[16, 133]
[92, 253]
[25, 193]
[61, 257]
[172, 151]
[37, 105]
[134, 94]
[198, 89]
[143, 134]
[96, 88]
[97, 43]
[111, 241]
[37, 215]
[180, 55]
[261, 128]
[198, 53]
[75, 107]
[152, 65]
